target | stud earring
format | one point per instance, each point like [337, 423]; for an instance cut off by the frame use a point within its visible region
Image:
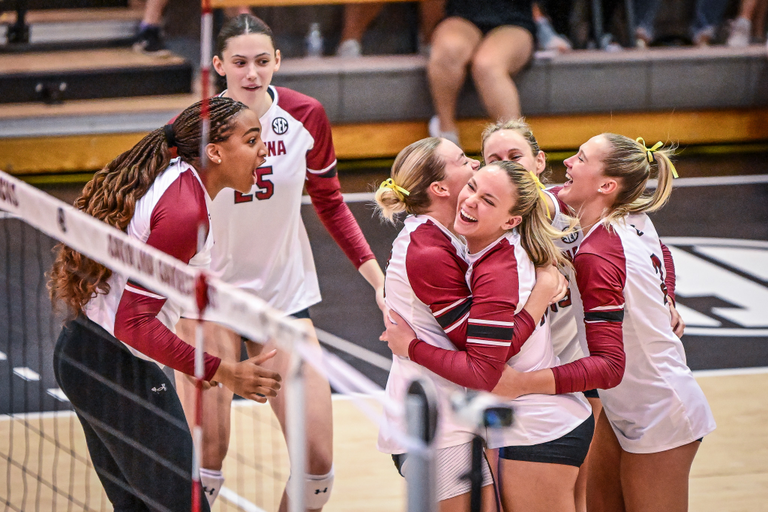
[218, 161]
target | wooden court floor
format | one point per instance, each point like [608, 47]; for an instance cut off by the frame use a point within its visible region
[729, 474]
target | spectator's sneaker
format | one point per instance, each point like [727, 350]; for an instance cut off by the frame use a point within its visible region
[149, 41]
[643, 37]
[704, 36]
[548, 39]
[434, 131]
[740, 33]
[349, 48]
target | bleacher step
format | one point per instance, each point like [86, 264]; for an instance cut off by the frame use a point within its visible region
[89, 74]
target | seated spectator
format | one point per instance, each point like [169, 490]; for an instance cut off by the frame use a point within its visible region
[358, 17]
[707, 17]
[749, 25]
[495, 39]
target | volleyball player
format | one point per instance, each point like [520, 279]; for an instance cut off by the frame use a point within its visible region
[134, 425]
[655, 414]
[262, 245]
[501, 215]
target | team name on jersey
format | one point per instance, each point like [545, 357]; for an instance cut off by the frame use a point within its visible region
[275, 148]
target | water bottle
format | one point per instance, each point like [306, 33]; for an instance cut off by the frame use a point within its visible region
[314, 41]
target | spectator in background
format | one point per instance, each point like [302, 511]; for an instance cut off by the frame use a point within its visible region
[149, 39]
[358, 17]
[750, 24]
[496, 39]
[547, 38]
[707, 17]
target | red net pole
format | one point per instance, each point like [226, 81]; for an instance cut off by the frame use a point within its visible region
[206, 37]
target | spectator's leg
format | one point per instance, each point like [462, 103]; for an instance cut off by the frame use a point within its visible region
[431, 12]
[500, 56]
[149, 40]
[357, 19]
[453, 45]
[758, 21]
[708, 15]
[645, 13]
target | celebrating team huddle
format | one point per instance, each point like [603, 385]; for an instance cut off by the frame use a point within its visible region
[559, 300]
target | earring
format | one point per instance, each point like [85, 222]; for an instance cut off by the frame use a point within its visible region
[218, 161]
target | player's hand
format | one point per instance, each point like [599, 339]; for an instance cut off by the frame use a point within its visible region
[678, 325]
[508, 385]
[248, 379]
[551, 281]
[398, 334]
[191, 378]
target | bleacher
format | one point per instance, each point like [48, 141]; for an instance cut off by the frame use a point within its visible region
[377, 104]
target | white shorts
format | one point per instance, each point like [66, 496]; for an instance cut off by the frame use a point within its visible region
[453, 464]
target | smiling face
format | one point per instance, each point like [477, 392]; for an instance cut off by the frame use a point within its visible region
[458, 167]
[483, 212]
[511, 145]
[242, 153]
[248, 62]
[584, 173]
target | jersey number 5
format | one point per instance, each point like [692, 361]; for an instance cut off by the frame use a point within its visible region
[266, 187]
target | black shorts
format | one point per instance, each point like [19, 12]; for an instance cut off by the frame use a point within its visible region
[591, 393]
[304, 313]
[570, 450]
[490, 14]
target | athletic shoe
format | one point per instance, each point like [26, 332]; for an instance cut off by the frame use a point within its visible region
[434, 131]
[704, 36]
[349, 48]
[548, 39]
[740, 33]
[643, 37]
[149, 41]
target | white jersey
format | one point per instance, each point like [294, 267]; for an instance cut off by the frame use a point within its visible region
[658, 405]
[538, 418]
[565, 334]
[261, 242]
[178, 185]
[427, 236]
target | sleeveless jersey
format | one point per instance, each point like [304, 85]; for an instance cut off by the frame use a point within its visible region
[261, 242]
[423, 239]
[167, 218]
[658, 405]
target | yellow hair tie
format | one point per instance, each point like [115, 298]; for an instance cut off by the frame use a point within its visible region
[399, 191]
[540, 187]
[650, 151]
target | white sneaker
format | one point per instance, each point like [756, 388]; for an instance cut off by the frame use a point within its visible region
[741, 29]
[349, 48]
[434, 131]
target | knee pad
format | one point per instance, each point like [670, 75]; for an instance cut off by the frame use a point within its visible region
[212, 481]
[317, 489]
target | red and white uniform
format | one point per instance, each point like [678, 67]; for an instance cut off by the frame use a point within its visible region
[565, 332]
[621, 276]
[497, 332]
[426, 268]
[167, 218]
[261, 243]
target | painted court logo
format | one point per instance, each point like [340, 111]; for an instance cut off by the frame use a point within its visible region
[722, 285]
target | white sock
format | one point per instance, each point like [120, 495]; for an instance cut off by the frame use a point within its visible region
[212, 482]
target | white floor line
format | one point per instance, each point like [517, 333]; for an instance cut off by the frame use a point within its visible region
[238, 501]
[729, 372]
[363, 197]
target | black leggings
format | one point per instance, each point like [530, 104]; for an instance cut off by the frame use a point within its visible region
[134, 425]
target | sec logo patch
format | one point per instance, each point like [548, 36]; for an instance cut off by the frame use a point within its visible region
[279, 125]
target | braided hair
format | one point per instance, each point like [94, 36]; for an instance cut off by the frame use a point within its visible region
[111, 195]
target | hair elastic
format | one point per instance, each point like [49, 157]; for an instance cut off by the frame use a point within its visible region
[170, 136]
[399, 191]
[540, 189]
[650, 151]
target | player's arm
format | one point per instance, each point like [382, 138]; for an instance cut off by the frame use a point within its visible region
[601, 283]
[324, 191]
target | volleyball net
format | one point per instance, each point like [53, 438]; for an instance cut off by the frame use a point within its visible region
[44, 460]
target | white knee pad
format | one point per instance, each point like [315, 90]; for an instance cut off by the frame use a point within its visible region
[317, 489]
[212, 482]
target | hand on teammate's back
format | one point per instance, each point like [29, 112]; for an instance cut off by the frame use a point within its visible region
[550, 278]
[248, 379]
